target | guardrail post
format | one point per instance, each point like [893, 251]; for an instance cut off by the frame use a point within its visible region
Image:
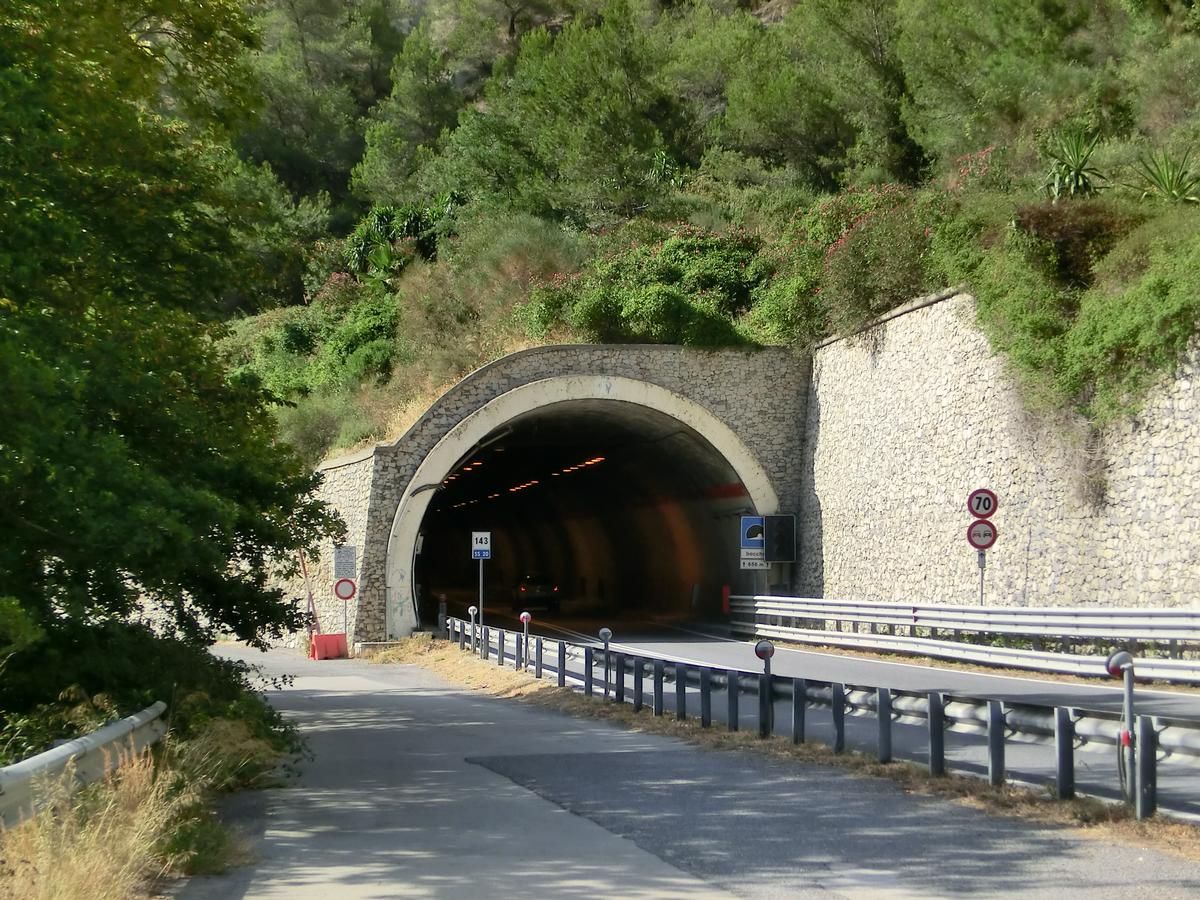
[562, 664]
[589, 662]
[995, 737]
[518, 650]
[639, 667]
[619, 686]
[501, 634]
[731, 693]
[799, 707]
[485, 642]
[659, 668]
[838, 705]
[680, 691]
[537, 657]
[462, 636]
[766, 705]
[883, 711]
[1147, 775]
[705, 697]
[1064, 751]
[937, 733]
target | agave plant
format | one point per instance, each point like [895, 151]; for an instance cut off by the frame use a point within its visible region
[1169, 179]
[1072, 174]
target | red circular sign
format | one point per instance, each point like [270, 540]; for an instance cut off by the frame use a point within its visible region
[344, 588]
[526, 618]
[981, 534]
[982, 503]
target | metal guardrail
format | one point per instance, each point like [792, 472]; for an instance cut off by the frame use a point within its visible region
[1066, 728]
[794, 618]
[94, 756]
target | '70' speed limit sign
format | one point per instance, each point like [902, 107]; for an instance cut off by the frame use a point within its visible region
[982, 503]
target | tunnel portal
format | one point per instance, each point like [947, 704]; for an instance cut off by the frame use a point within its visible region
[618, 472]
[627, 510]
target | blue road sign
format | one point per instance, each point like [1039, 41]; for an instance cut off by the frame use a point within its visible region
[752, 533]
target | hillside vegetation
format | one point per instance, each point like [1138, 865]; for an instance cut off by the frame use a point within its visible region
[499, 173]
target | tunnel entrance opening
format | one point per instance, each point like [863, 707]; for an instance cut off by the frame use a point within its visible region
[624, 511]
[641, 514]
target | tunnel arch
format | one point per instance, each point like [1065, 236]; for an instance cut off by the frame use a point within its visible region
[493, 416]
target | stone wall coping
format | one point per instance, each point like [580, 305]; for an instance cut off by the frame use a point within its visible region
[910, 307]
[349, 459]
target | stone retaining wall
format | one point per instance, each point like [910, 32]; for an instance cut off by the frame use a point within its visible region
[906, 419]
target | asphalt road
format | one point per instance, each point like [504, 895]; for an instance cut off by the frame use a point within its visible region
[1028, 763]
[418, 789]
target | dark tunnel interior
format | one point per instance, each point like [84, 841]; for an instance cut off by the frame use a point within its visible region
[628, 511]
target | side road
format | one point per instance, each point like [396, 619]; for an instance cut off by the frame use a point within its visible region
[419, 789]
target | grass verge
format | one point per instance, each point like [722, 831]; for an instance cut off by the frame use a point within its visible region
[1086, 815]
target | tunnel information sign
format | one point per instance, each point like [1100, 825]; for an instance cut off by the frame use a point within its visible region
[481, 545]
[343, 561]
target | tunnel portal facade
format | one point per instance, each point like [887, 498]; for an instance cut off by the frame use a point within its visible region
[616, 472]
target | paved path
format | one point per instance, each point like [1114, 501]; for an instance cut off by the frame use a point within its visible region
[418, 789]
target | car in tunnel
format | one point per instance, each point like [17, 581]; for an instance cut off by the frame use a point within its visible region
[536, 591]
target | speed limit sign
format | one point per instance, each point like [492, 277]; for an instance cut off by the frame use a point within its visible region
[982, 503]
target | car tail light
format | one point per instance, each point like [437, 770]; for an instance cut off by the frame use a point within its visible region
[522, 589]
[556, 589]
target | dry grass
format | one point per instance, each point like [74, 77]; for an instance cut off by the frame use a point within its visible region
[101, 844]
[113, 840]
[1086, 815]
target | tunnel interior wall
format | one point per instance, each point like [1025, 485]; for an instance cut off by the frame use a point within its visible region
[905, 420]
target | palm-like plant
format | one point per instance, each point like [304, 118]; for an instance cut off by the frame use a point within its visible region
[1072, 174]
[1169, 179]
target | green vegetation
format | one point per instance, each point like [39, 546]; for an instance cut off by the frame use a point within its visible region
[238, 236]
[704, 174]
[156, 814]
[133, 468]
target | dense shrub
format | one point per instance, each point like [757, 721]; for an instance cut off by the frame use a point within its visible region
[686, 288]
[1122, 342]
[1079, 232]
[75, 677]
[877, 264]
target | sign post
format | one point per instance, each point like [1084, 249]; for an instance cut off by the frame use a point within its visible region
[981, 533]
[481, 549]
[345, 574]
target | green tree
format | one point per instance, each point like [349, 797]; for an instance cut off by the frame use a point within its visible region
[572, 134]
[131, 467]
[423, 103]
[979, 74]
[849, 49]
[778, 111]
[322, 66]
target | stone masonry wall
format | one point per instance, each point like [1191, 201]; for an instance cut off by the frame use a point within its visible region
[346, 487]
[760, 395]
[905, 420]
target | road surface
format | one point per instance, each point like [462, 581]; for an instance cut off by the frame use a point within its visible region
[418, 789]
